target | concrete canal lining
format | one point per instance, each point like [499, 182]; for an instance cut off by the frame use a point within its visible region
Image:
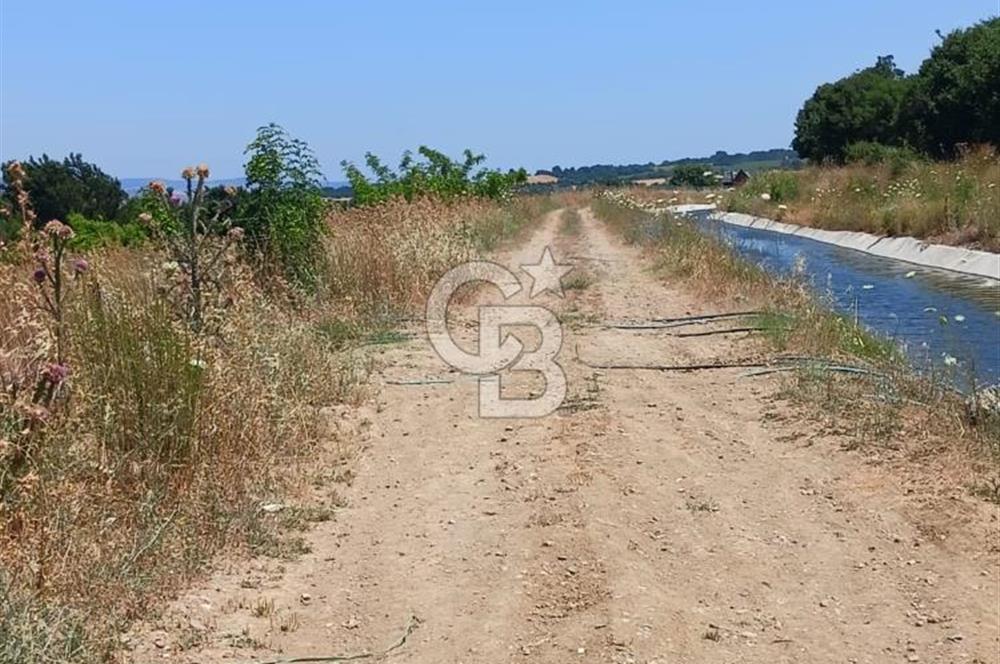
[910, 250]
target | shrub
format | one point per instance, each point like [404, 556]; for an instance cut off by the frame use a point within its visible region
[871, 154]
[283, 208]
[435, 176]
[94, 234]
[692, 175]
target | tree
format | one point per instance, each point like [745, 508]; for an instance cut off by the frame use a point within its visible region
[58, 189]
[955, 97]
[283, 209]
[864, 106]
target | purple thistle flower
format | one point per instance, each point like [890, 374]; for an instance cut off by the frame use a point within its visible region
[56, 373]
[38, 276]
[80, 265]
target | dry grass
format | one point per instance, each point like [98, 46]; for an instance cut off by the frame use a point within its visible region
[946, 202]
[160, 449]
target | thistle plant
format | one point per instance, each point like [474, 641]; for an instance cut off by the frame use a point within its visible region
[22, 409]
[197, 235]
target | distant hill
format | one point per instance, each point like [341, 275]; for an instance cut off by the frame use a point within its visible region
[720, 161]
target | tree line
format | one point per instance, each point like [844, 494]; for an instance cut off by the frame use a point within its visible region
[952, 100]
[280, 208]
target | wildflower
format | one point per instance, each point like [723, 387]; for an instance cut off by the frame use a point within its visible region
[203, 171]
[765, 196]
[782, 207]
[145, 218]
[80, 265]
[175, 200]
[197, 363]
[38, 276]
[950, 360]
[157, 187]
[170, 267]
[188, 173]
[56, 373]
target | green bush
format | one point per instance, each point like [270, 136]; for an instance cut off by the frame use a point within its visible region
[94, 234]
[283, 209]
[692, 175]
[435, 175]
[872, 154]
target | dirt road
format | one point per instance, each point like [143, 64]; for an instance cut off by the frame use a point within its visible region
[659, 517]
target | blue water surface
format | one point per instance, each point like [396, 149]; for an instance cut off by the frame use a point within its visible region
[933, 314]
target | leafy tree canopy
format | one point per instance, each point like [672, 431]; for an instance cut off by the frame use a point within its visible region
[955, 97]
[432, 173]
[60, 188]
[861, 107]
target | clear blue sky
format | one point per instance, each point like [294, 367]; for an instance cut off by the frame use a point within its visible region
[144, 88]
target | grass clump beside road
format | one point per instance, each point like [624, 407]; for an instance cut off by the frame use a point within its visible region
[889, 192]
[887, 406]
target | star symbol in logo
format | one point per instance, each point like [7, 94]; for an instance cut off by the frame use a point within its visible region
[546, 274]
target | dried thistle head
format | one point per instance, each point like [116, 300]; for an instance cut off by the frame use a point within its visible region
[16, 172]
[58, 230]
[188, 173]
[202, 171]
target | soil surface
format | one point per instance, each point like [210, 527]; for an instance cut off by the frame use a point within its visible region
[656, 517]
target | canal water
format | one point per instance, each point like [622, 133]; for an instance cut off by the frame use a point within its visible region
[942, 319]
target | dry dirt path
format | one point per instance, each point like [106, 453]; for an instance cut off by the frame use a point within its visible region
[661, 517]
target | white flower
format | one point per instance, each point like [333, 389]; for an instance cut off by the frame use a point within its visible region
[170, 267]
[950, 360]
[765, 196]
[782, 207]
[197, 363]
